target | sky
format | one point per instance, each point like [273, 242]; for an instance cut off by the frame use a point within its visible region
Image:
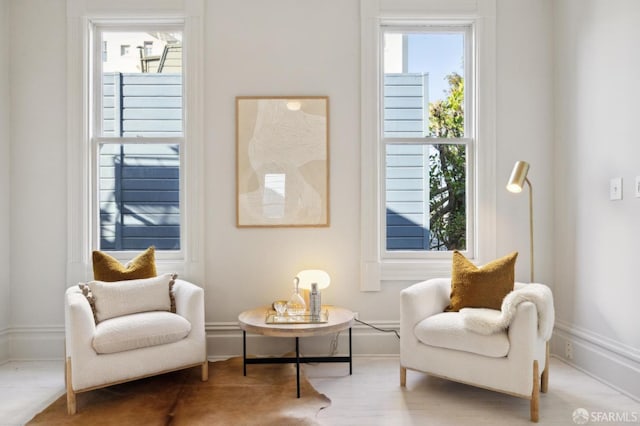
[437, 54]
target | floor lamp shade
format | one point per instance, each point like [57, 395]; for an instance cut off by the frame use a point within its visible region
[515, 184]
[518, 176]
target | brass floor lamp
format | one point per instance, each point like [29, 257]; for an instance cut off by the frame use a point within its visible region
[516, 183]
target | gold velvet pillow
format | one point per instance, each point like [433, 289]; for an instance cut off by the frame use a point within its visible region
[107, 268]
[485, 287]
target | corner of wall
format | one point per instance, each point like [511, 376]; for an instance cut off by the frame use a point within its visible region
[607, 361]
[593, 328]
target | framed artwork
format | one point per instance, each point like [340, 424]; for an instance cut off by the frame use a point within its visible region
[282, 161]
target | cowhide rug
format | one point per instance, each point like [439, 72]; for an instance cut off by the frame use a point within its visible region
[266, 396]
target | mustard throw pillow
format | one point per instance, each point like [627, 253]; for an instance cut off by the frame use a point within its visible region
[485, 287]
[107, 268]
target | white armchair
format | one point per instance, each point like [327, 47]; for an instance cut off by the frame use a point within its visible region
[513, 361]
[128, 349]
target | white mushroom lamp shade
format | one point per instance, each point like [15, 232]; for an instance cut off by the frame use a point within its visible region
[518, 177]
[310, 276]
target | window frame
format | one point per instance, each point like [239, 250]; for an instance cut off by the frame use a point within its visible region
[81, 15]
[97, 138]
[375, 266]
[468, 140]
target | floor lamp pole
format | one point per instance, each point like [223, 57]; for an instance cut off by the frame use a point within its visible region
[530, 224]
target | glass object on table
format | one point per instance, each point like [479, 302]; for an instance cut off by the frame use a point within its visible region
[280, 307]
[296, 304]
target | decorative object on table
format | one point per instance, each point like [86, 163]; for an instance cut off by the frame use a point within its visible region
[280, 306]
[296, 304]
[306, 318]
[282, 161]
[315, 302]
[308, 277]
[265, 397]
[515, 184]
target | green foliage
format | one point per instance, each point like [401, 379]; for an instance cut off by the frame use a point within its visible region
[447, 181]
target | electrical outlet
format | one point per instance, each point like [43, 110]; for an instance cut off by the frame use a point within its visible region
[615, 189]
[637, 191]
[568, 350]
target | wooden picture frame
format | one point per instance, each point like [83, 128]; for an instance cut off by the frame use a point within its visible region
[282, 161]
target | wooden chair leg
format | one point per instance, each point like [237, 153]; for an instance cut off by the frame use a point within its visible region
[205, 370]
[535, 393]
[403, 376]
[544, 380]
[71, 395]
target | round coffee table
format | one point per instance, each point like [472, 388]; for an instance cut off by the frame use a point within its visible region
[255, 321]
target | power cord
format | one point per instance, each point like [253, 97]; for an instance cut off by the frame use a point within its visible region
[333, 348]
[377, 328]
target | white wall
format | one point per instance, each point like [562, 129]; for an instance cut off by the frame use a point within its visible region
[38, 171]
[276, 48]
[566, 97]
[255, 47]
[284, 47]
[525, 132]
[4, 178]
[597, 91]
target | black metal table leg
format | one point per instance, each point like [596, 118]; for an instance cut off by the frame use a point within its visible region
[350, 357]
[244, 352]
[297, 367]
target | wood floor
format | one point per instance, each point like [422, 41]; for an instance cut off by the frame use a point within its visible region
[371, 396]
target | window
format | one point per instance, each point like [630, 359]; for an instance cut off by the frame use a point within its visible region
[174, 144]
[137, 142]
[428, 137]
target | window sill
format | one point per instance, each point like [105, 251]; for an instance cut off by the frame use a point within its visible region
[373, 273]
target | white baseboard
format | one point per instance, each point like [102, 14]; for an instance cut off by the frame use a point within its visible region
[224, 340]
[604, 359]
[40, 343]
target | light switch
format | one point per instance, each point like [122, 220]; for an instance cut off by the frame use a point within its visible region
[637, 190]
[615, 189]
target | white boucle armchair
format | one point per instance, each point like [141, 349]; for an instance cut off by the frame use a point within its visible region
[86, 369]
[513, 361]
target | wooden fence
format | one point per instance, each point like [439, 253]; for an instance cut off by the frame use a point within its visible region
[140, 183]
[406, 101]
